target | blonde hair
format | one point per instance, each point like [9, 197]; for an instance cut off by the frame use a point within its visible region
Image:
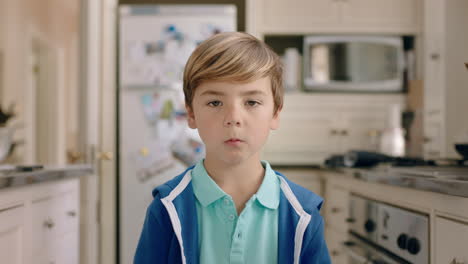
[233, 57]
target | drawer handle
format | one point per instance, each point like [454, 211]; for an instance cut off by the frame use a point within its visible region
[335, 253]
[71, 213]
[49, 223]
[350, 220]
[335, 210]
[455, 261]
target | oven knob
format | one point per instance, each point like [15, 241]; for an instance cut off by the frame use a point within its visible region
[413, 246]
[369, 226]
[402, 241]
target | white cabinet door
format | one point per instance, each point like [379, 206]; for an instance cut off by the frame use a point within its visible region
[307, 178]
[335, 240]
[361, 128]
[394, 15]
[12, 235]
[304, 137]
[451, 240]
[67, 248]
[322, 16]
[297, 16]
[336, 208]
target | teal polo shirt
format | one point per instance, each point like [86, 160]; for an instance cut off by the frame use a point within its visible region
[225, 237]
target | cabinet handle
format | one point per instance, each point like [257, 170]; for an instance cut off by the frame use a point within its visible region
[334, 132]
[455, 261]
[435, 56]
[374, 133]
[350, 220]
[427, 139]
[335, 253]
[71, 213]
[335, 210]
[344, 132]
[49, 223]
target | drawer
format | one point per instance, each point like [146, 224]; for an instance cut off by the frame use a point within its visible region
[335, 240]
[44, 224]
[451, 240]
[53, 217]
[68, 212]
[12, 228]
[337, 208]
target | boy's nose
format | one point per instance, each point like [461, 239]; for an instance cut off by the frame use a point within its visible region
[229, 123]
[232, 117]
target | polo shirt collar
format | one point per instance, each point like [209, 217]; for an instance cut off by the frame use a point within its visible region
[207, 191]
[269, 191]
[204, 187]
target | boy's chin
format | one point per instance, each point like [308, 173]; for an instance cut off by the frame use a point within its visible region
[234, 159]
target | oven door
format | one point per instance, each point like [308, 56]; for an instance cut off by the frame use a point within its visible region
[358, 251]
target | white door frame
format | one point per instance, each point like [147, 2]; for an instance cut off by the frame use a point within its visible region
[108, 132]
[98, 129]
[89, 95]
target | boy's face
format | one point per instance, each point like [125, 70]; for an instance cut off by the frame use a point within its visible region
[233, 119]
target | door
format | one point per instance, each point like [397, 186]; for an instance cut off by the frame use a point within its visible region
[12, 249]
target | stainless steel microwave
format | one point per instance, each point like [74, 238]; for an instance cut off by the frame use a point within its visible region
[353, 63]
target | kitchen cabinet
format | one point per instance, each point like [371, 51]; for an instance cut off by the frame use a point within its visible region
[39, 223]
[325, 16]
[313, 127]
[451, 240]
[307, 178]
[336, 208]
[12, 228]
[445, 76]
[335, 242]
[55, 220]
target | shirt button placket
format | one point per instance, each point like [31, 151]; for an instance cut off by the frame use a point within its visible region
[237, 251]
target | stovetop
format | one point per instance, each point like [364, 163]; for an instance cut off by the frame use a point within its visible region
[442, 172]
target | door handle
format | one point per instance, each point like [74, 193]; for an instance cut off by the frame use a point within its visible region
[106, 155]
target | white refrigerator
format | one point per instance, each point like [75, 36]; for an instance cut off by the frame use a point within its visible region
[154, 142]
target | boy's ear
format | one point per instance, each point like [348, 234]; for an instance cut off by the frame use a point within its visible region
[190, 117]
[275, 121]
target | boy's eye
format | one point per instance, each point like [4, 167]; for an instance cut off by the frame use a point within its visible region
[252, 103]
[214, 103]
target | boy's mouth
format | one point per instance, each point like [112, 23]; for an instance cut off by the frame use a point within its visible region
[233, 141]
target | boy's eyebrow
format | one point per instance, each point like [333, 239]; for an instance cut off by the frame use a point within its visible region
[252, 92]
[211, 92]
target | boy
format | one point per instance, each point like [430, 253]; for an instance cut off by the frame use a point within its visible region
[231, 207]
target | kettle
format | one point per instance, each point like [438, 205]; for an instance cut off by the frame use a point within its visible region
[392, 140]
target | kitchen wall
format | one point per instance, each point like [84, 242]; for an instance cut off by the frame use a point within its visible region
[56, 23]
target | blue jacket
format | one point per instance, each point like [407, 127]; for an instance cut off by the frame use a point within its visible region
[170, 231]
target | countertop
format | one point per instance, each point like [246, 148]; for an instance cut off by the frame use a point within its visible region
[453, 183]
[10, 177]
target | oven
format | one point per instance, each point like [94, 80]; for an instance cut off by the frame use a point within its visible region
[380, 233]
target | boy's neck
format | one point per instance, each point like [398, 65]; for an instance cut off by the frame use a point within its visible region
[241, 181]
